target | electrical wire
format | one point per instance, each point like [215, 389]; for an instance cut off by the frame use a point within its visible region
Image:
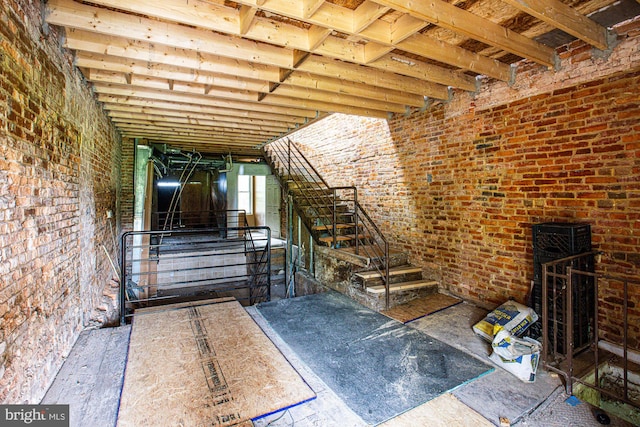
[280, 417]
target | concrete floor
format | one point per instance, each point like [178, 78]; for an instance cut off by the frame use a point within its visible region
[91, 385]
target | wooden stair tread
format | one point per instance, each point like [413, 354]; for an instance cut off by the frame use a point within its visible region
[402, 286]
[395, 271]
[329, 227]
[329, 239]
[343, 238]
[360, 236]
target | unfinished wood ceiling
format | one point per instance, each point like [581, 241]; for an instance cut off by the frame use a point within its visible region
[222, 76]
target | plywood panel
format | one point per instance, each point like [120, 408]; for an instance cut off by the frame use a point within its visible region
[443, 411]
[204, 365]
[420, 307]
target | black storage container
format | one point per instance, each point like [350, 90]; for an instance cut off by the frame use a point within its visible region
[553, 241]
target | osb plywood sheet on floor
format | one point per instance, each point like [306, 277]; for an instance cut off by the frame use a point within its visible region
[443, 411]
[420, 307]
[204, 365]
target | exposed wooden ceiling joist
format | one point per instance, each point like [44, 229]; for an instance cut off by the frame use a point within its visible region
[566, 19]
[460, 21]
[224, 76]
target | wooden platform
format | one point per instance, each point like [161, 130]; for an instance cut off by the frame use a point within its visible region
[91, 378]
[421, 307]
[206, 364]
[443, 411]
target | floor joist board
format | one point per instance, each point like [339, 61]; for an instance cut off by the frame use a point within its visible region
[204, 365]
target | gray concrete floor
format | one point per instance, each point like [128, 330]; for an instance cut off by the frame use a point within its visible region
[91, 380]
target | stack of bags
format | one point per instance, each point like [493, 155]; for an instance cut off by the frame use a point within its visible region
[502, 328]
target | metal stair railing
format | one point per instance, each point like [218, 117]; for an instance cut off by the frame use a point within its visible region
[295, 172]
[565, 284]
[315, 200]
[186, 264]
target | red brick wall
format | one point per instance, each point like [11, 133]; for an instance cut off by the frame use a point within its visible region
[127, 194]
[459, 186]
[59, 175]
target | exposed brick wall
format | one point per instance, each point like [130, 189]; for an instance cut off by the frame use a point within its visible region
[59, 174]
[127, 195]
[459, 185]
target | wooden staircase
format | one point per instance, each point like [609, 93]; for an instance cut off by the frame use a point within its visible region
[335, 220]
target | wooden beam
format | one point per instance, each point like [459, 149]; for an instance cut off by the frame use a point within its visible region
[90, 18]
[173, 85]
[114, 101]
[366, 14]
[317, 35]
[344, 100]
[122, 110]
[424, 45]
[177, 130]
[410, 67]
[566, 18]
[156, 60]
[205, 145]
[311, 95]
[246, 14]
[162, 123]
[357, 73]
[375, 51]
[461, 21]
[168, 136]
[316, 38]
[362, 90]
[406, 26]
[306, 107]
[384, 36]
[160, 95]
[299, 56]
[161, 71]
[309, 7]
[153, 54]
[334, 96]
[191, 121]
[328, 106]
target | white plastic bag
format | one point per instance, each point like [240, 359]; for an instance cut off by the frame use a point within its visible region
[520, 356]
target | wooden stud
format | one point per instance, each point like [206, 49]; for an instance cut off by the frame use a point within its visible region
[317, 35]
[366, 14]
[309, 7]
[245, 18]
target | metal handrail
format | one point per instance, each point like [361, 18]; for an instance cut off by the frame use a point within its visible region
[306, 162]
[209, 215]
[300, 172]
[140, 261]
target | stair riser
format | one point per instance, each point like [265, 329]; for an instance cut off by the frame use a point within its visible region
[395, 260]
[399, 278]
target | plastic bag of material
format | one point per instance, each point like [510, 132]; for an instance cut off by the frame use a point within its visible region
[510, 316]
[520, 356]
